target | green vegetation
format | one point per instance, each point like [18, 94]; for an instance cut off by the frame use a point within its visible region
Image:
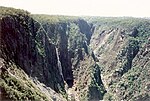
[124, 55]
[109, 97]
[11, 11]
[110, 39]
[131, 51]
[134, 82]
[113, 22]
[101, 49]
[19, 88]
[126, 67]
[53, 19]
[96, 86]
[76, 38]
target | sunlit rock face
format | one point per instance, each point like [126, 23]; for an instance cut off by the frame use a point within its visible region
[69, 58]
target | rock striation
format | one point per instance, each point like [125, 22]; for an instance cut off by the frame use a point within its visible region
[60, 58]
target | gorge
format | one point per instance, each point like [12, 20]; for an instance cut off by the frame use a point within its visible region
[67, 58]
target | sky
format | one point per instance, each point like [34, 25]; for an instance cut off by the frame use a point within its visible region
[114, 8]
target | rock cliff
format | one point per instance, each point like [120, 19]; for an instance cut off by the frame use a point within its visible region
[59, 58]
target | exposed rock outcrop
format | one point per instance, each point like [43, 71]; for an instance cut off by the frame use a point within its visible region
[63, 58]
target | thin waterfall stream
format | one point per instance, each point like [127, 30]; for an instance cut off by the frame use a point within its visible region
[59, 63]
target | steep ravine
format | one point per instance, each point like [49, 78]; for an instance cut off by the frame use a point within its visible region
[52, 58]
[60, 58]
[117, 46]
[72, 39]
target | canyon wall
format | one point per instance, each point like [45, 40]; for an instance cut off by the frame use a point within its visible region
[63, 58]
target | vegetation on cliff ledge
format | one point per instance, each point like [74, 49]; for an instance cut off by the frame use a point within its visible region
[98, 58]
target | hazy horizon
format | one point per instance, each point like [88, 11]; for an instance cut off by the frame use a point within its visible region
[103, 8]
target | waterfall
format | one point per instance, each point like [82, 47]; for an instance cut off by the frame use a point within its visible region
[59, 63]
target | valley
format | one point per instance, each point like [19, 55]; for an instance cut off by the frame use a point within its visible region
[68, 58]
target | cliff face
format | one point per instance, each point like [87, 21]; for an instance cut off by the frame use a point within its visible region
[51, 54]
[30, 49]
[119, 45]
[68, 58]
[79, 68]
[25, 44]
